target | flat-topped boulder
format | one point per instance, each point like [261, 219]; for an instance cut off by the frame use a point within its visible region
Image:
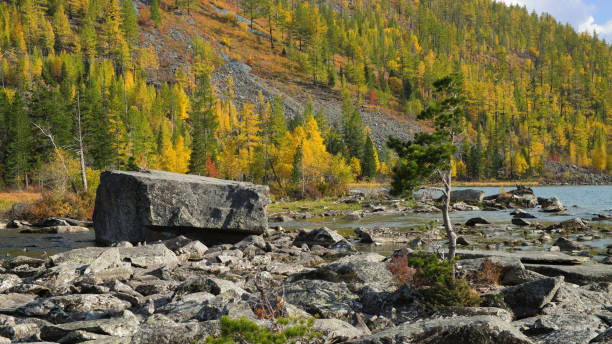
[151, 205]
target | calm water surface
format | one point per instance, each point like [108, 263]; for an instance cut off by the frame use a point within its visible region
[581, 201]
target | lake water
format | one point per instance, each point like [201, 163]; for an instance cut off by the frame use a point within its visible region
[581, 201]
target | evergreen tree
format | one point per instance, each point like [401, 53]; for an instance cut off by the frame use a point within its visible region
[429, 154]
[369, 162]
[352, 128]
[156, 14]
[129, 23]
[18, 153]
[205, 123]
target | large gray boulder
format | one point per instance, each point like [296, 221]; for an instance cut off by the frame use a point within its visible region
[140, 206]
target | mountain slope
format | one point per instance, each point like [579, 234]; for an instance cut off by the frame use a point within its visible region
[137, 72]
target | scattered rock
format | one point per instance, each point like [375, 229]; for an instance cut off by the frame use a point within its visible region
[467, 195]
[7, 281]
[322, 236]
[462, 241]
[124, 326]
[568, 245]
[601, 217]
[520, 222]
[335, 330]
[475, 330]
[573, 224]
[562, 328]
[552, 202]
[578, 274]
[426, 208]
[55, 230]
[477, 221]
[462, 206]
[328, 299]
[521, 214]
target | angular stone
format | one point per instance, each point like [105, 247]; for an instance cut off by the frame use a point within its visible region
[550, 202]
[526, 257]
[479, 329]
[329, 300]
[161, 329]
[55, 230]
[527, 299]
[521, 214]
[19, 331]
[7, 281]
[477, 221]
[520, 222]
[467, 195]
[462, 206]
[335, 330]
[562, 328]
[119, 327]
[72, 307]
[10, 302]
[568, 245]
[322, 236]
[572, 224]
[578, 274]
[133, 206]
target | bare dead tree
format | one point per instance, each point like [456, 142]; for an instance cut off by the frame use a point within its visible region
[81, 153]
[49, 135]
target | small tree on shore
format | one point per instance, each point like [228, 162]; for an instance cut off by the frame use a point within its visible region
[428, 156]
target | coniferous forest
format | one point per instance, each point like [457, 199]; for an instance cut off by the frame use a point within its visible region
[81, 92]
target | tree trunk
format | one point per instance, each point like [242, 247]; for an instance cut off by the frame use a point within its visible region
[81, 154]
[448, 226]
[270, 24]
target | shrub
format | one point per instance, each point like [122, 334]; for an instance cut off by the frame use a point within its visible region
[435, 277]
[401, 271]
[230, 17]
[430, 268]
[245, 331]
[490, 273]
[449, 292]
[75, 206]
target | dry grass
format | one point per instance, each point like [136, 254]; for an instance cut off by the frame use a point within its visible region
[7, 199]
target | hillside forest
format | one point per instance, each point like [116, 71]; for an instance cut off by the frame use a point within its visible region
[81, 88]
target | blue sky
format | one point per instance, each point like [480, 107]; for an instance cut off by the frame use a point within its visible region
[584, 15]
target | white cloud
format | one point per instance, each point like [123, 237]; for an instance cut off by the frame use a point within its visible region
[590, 26]
[578, 13]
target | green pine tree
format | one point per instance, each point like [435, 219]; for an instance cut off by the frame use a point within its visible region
[18, 152]
[156, 14]
[205, 121]
[129, 24]
[429, 154]
[368, 162]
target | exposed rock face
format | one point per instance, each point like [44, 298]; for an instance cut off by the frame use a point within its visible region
[137, 206]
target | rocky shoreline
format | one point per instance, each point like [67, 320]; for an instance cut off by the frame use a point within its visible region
[179, 290]
[176, 291]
